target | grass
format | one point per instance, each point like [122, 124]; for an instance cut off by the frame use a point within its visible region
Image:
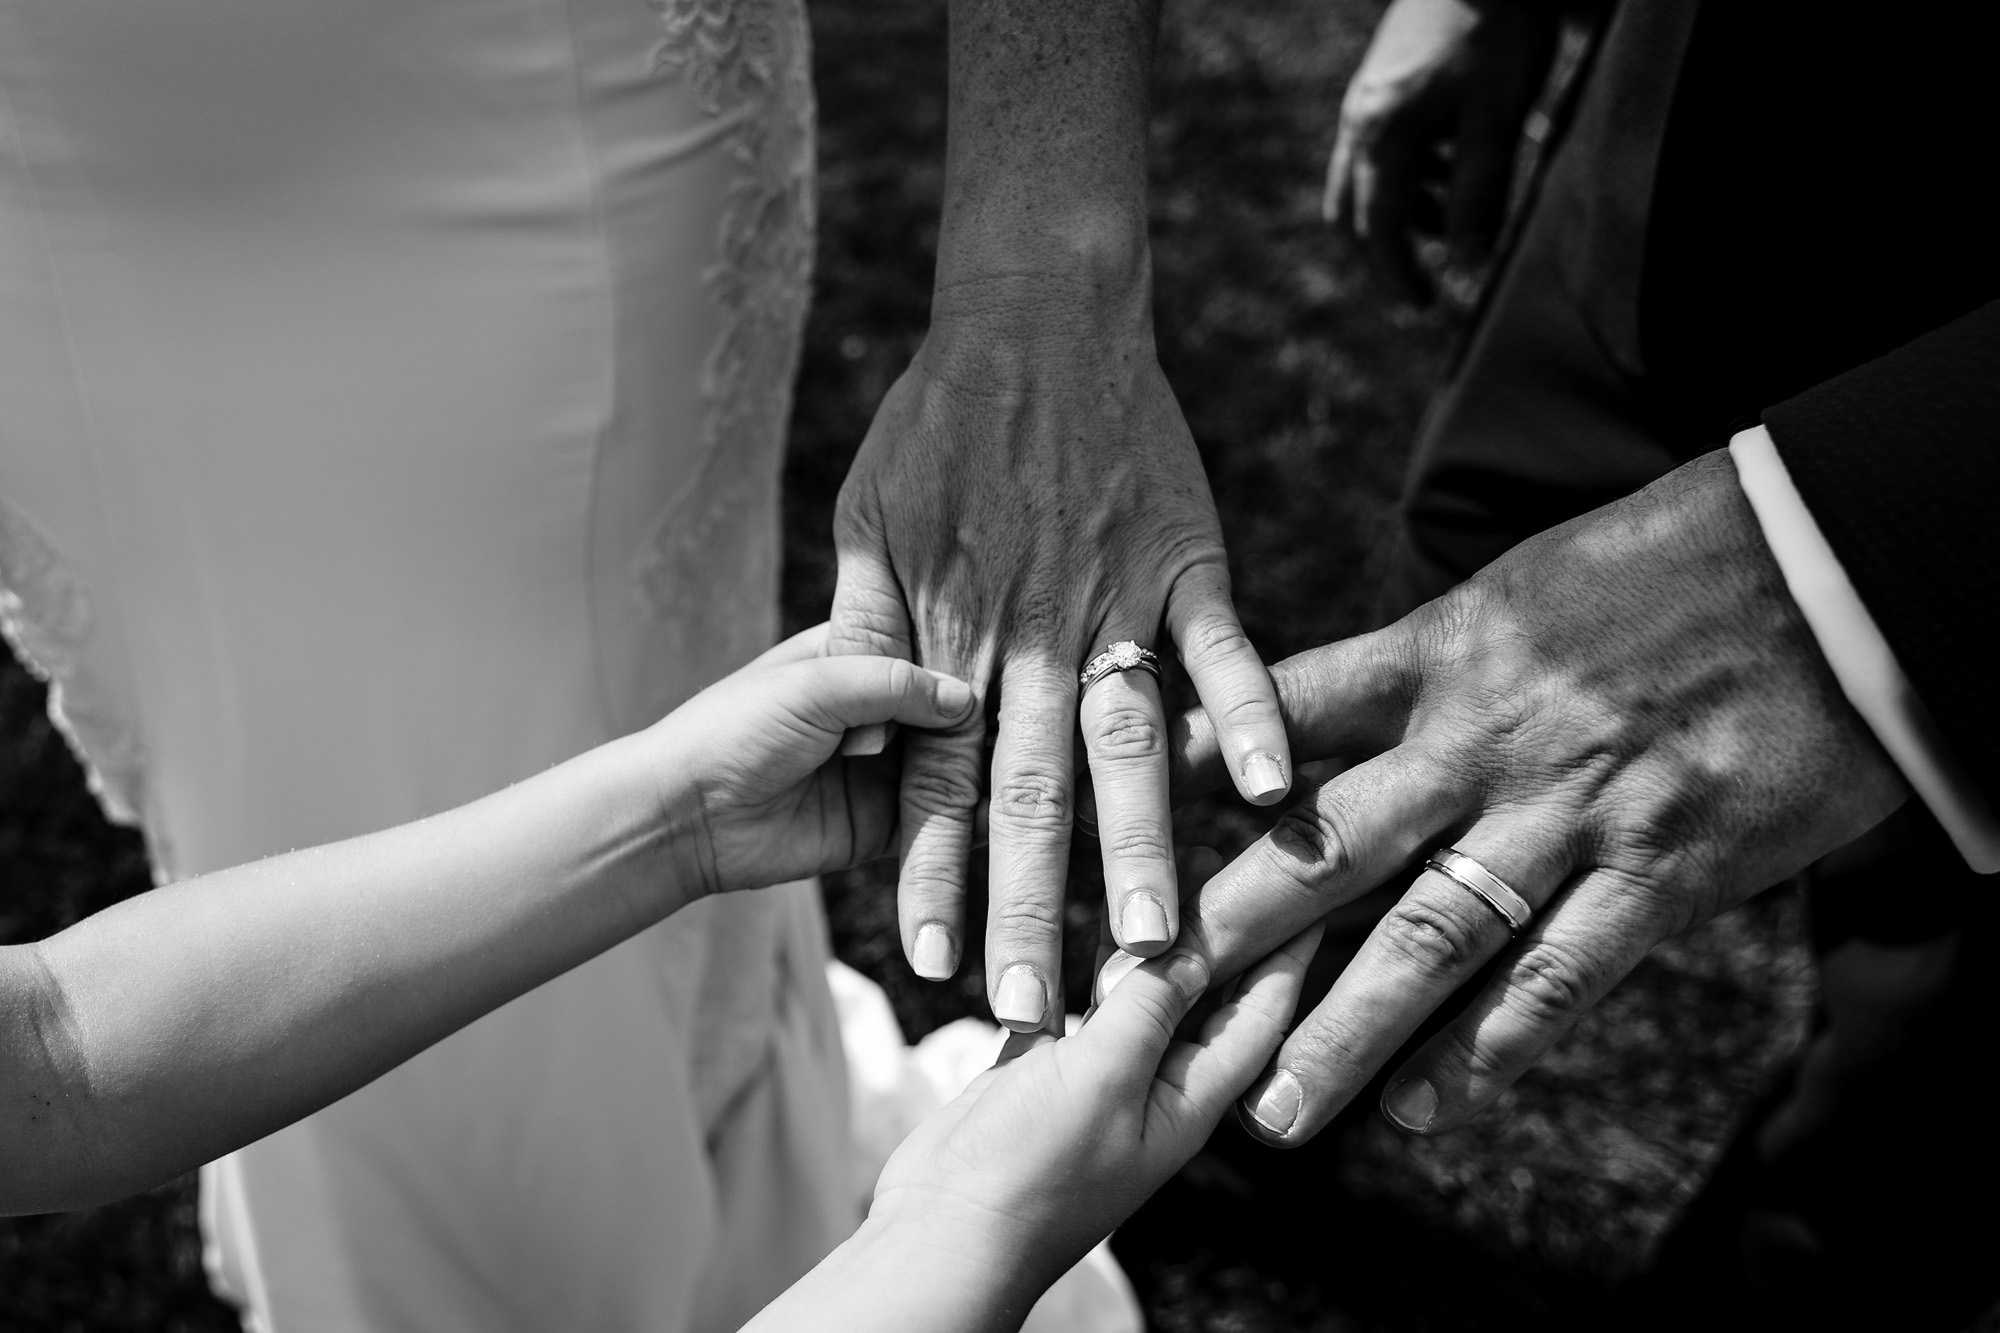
[1303, 392]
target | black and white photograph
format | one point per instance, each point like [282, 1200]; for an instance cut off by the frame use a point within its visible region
[957, 666]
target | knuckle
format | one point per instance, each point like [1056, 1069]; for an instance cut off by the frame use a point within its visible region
[868, 620]
[1212, 636]
[1463, 1057]
[1314, 835]
[1550, 985]
[1028, 920]
[1038, 801]
[1127, 733]
[1437, 941]
[940, 789]
[1141, 844]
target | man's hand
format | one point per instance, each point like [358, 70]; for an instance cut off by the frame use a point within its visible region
[1429, 128]
[1029, 494]
[1626, 719]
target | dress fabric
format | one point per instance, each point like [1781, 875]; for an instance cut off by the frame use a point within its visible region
[392, 396]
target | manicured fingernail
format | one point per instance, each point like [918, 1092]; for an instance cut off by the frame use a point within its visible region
[1022, 999]
[954, 696]
[1411, 1104]
[1274, 1103]
[1189, 975]
[1116, 968]
[871, 739]
[1143, 921]
[934, 957]
[1263, 775]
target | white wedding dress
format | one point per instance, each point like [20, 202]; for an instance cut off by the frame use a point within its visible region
[392, 398]
[392, 401]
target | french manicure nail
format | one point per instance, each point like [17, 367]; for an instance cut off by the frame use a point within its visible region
[1274, 1103]
[1022, 999]
[1263, 774]
[1142, 921]
[934, 957]
[1411, 1104]
[1116, 968]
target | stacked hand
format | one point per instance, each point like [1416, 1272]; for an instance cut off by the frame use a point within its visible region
[1625, 720]
[1028, 495]
[750, 768]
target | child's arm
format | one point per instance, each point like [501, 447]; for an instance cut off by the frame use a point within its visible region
[999, 1193]
[185, 1022]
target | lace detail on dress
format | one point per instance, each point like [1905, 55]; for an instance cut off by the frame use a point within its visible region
[45, 618]
[748, 59]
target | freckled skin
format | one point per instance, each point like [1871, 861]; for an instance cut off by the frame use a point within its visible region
[1029, 490]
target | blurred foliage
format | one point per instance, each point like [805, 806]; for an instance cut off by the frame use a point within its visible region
[1303, 391]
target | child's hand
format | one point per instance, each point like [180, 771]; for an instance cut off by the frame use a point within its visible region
[1057, 1144]
[751, 771]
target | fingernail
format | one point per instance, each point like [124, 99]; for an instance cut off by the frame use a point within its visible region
[1022, 999]
[1143, 921]
[954, 696]
[1411, 1104]
[1274, 1103]
[871, 739]
[934, 957]
[1116, 968]
[1263, 774]
[1189, 975]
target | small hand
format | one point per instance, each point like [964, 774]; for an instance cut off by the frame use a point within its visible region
[1058, 1143]
[1625, 718]
[771, 798]
[1029, 494]
[1435, 112]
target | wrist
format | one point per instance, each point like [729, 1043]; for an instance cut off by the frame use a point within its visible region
[998, 324]
[663, 848]
[922, 1272]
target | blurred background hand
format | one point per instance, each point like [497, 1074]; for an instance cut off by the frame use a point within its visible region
[1429, 128]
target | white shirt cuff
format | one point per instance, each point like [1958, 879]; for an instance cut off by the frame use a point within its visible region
[1861, 658]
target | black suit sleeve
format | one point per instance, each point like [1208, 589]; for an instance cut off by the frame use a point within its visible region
[1899, 462]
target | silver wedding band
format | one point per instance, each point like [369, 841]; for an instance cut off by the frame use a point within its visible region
[1484, 885]
[1123, 656]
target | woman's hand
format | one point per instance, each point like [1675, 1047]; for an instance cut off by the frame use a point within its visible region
[1058, 1143]
[751, 776]
[1429, 128]
[1003, 1190]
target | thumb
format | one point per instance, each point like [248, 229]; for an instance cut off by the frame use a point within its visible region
[842, 693]
[869, 616]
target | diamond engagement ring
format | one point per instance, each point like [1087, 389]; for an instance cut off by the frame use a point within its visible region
[1484, 885]
[1125, 656]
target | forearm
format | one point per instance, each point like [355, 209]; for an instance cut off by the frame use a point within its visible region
[1045, 171]
[185, 1022]
[904, 1276]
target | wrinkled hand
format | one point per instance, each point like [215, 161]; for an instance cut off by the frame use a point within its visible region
[1063, 1139]
[1028, 494]
[772, 799]
[1429, 127]
[1625, 718]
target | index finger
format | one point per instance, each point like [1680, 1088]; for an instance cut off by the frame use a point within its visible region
[1333, 846]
